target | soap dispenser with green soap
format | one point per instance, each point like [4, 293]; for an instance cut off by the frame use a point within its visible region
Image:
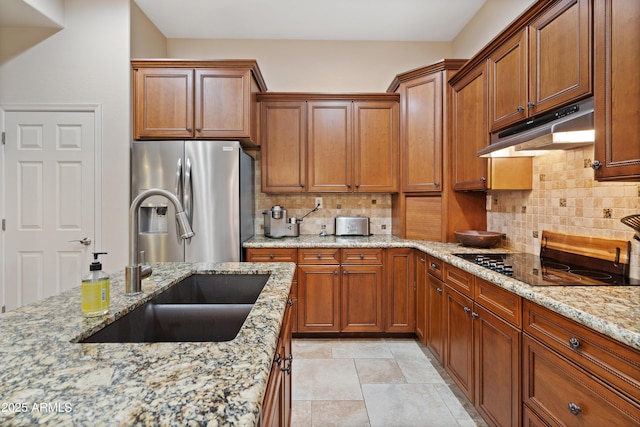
[95, 289]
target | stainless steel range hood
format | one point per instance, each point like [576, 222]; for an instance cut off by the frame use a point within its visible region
[565, 128]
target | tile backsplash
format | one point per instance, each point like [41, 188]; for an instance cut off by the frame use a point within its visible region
[375, 206]
[565, 198]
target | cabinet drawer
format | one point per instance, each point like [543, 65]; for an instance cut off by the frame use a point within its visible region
[319, 256]
[435, 266]
[459, 280]
[500, 301]
[272, 255]
[614, 362]
[563, 395]
[362, 256]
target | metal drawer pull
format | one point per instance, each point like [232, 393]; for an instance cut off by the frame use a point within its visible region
[574, 409]
[574, 343]
[319, 256]
[271, 256]
[434, 266]
[361, 256]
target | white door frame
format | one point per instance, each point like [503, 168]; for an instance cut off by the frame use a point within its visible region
[97, 201]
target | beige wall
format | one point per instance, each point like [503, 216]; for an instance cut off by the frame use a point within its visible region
[85, 62]
[490, 20]
[146, 40]
[319, 66]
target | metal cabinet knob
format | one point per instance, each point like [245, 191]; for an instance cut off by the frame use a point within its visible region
[520, 108]
[467, 309]
[434, 266]
[574, 343]
[474, 315]
[574, 409]
[439, 290]
[531, 104]
[361, 256]
[335, 273]
[421, 259]
[271, 256]
[290, 302]
[436, 184]
[596, 165]
[319, 256]
[345, 272]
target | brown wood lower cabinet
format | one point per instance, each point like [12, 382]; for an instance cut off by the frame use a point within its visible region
[361, 298]
[319, 298]
[458, 351]
[497, 368]
[562, 394]
[276, 404]
[399, 293]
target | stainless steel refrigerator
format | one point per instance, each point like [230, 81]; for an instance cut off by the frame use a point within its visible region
[214, 180]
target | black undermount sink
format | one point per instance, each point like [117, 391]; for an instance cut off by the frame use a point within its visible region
[200, 308]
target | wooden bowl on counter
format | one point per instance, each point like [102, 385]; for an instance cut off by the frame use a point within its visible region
[478, 239]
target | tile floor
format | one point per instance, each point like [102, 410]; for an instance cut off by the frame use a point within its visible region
[373, 382]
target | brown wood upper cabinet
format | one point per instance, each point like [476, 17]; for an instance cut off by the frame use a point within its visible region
[617, 90]
[329, 143]
[353, 146]
[543, 66]
[196, 99]
[284, 144]
[469, 131]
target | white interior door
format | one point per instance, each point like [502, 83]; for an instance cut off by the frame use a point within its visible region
[48, 201]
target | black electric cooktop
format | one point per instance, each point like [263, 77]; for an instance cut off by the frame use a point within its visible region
[538, 271]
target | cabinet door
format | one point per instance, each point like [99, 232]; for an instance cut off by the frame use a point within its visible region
[163, 103]
[283, 146]
[560, 55]
[458, 353]
[470, 132]
[497, 369]
[400, 303]
[421, 296]
[361, 298]
[435, 332]
[222, 100]
[562, 394]
[330, 144]
[421, 134]
[319, 298]
[617, 61]
[508, 83]
[375, 146]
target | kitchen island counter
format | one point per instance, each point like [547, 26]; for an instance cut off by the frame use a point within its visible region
[48, 378]
[611, 310]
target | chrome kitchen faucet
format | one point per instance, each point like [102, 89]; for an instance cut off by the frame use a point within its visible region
[134, 272]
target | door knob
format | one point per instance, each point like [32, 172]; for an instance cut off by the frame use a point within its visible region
[85, 241]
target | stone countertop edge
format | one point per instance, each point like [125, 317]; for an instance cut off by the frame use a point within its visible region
[613, 311]
[47, 377]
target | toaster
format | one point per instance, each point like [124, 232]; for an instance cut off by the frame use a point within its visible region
[352, 226]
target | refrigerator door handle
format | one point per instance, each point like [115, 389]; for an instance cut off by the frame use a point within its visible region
[179, 184]
[188, 193]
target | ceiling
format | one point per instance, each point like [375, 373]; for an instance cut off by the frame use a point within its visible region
[379, 20]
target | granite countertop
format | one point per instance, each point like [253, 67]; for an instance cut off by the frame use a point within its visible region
[48, 378]
[611, 310]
